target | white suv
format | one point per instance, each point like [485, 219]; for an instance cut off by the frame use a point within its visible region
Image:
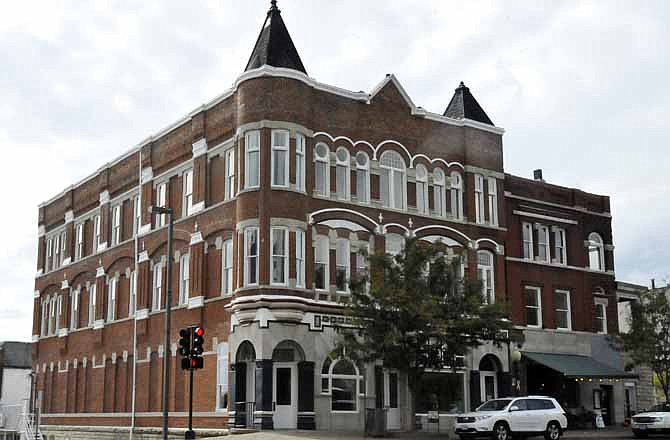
[654, 421]
[500, 418]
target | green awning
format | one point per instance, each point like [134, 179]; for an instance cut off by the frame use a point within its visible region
[574, 366]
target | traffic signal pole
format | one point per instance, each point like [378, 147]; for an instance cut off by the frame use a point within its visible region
[190, 434]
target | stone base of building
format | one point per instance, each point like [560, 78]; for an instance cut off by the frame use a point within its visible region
[54, 432]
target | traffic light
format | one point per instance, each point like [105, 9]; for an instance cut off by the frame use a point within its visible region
[197, 361]
[185, 347]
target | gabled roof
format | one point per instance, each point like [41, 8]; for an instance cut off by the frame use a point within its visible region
[274, 46]
[464, 106]
[16, 355]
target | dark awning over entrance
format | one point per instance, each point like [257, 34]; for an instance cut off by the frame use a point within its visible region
[575, 366]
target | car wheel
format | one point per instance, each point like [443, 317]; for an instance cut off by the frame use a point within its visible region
[501, 432]
[553, 431]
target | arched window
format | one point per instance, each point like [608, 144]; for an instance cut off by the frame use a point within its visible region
[395, 243]
[222, 376]
[456, 195]
[321, 260]
[392, 180]
[485, 275]
[596, 252]
[45, 316]
[438, 192]
[421, 189]
[343, 383]
[342, 173]
[362, 177]
[322, 170]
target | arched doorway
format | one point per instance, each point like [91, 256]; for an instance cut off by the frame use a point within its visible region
[285, 358]
[489, 368]
[244, 385]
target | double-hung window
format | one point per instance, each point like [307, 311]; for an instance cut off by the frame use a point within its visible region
[187, 183]
[300, 258]
[322, 170]
[493, 201]
[438, 192]
[251, 256]
[230, 174]
[157, 287]
[485, 275]
[601, 316]
[321, 263]
[227, 262]
[222, 376]
[456, 195]
[49, 259]
[392, 180]
[527, 231]
[132, 295]
[251, 159]
[63, 243]
[45, 317]
[52, 315]
[59, 313]
[184, 263]
[161, 198]
[543, 243]
[562, 306]
[300, 162]
[421, 189]
[479, 198]
[91, 304]
[342, 173]
[596, 252]
[56, 259]
[116, 225]
[111, 299]
[79, 247]
[362, 177]
[533, 296]
[137, 218]
[560, 252]
[342, 255]
[280, 142]
[74, 309]
[279, 240]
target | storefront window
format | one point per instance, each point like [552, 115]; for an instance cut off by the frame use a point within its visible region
[341, 379]
[442, 392]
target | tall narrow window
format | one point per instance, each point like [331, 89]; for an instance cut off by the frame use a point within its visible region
[45, 317]
[601, 317]
[63, 244]
[184, 277]
[300, 162]
[91, 305]
[533, 306]
[74, 309]
[56, 260]
[560, 252]
[230, 174]
[79, 247]
[361, 260]
[252, 163]
[132, 295]
[227, 257]
[342, 263]
[438, 192]
[49, 259]
[342, 173]
[111, 300]
[479, 198]
[279, 242]
[596, 254]
[392, 180]
[362, 177]
[116, 225]
[300, 258]
[280, 140]
[161, 200]
[251, 256]
[421, 189]
[137, 218]
[485, 275]
[222, 376]
[321, 263]
[52, 315]
[322, 170]
[543, 243]
[59, 312]
[157, 288]
[562, 306]
[187, 183]
[456, 195]
[527, 230]
[493, 201]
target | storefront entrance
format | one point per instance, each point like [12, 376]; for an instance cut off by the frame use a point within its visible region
[391, 399]
[285, 395]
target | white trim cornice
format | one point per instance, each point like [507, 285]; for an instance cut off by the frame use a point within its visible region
[545, 217]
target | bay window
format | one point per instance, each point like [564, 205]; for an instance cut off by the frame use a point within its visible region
[279, 240]
[251, 160]
[251, 256]
[280, 145]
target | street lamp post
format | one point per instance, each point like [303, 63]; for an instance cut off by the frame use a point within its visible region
[516, 358]
[168, 315]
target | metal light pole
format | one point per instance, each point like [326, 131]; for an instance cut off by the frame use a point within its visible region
[168, 315]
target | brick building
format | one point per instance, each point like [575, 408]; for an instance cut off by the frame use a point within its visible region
[276, 185]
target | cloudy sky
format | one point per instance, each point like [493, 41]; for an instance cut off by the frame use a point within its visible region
[581, 88]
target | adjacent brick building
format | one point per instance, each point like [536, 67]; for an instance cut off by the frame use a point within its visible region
[276, 186]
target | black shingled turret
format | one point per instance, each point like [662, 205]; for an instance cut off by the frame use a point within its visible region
[464, 106]
[274, 46]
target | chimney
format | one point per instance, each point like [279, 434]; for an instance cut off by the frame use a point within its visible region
[653, 284]
[537, 175]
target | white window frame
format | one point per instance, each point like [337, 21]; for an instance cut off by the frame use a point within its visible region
[52, 316]
[363, 178]
[161, 200]
[345, 262]
[92, 299]
[248, 232]
[230, 174]
[560, 251]
[601, 304]
[44, 317]
[439, 200]
[59, 312]
[568, 310]
[357, 378]
[596, 243]
[527, 239]
[486, 274]
[322, 240]
[299, 258]
[79, 246]
[116, 224]
[227, 268]
[187, 192]
[538, 308]
[283, 255]
[324, 162]
[342, 170]
[543, 243]
[137, 217]
[132, 294]
[184, 278]
[479, 199]
[392, 174]
[421, 179]
[395, 243]
[249, 149]
[74, 309]
[456, 192]
[111, 299]
[157, 287]
[275, 151]
[492, 186]
[48, 263]
[56, 259]
[300, 162]
[222, 353]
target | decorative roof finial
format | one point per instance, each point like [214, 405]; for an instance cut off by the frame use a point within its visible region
[273, 6]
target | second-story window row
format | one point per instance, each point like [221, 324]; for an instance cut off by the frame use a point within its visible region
[544, 243]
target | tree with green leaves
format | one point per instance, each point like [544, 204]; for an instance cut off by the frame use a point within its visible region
[648, 340]
[413, 312]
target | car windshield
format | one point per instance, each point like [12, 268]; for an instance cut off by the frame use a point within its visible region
[494, 405]
[661, 407]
